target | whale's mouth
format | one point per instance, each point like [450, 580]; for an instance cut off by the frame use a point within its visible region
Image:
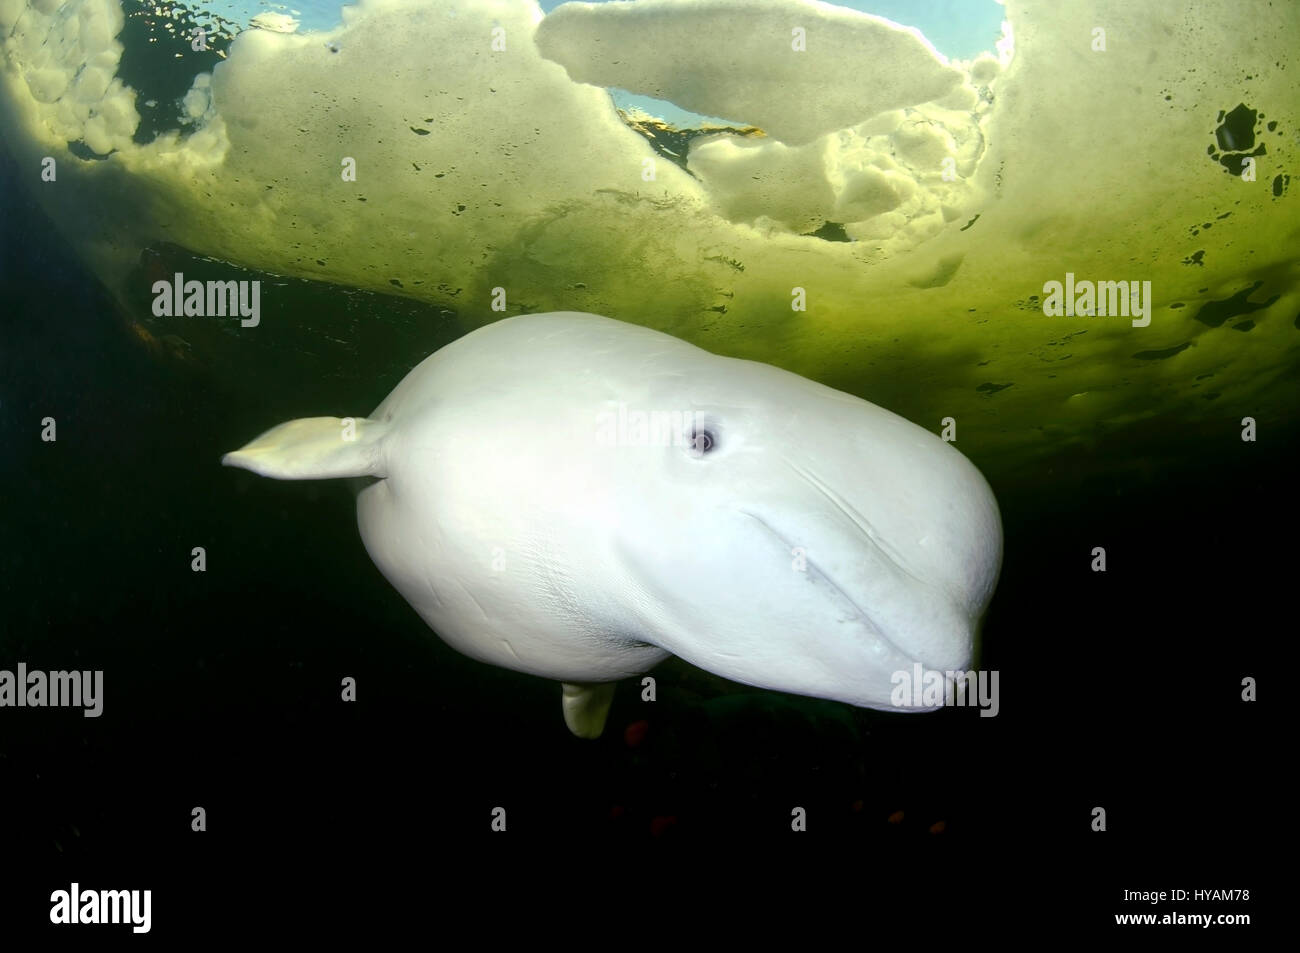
[862, 614]
[860, 522]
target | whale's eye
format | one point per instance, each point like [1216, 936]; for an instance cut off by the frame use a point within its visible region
[702, 441]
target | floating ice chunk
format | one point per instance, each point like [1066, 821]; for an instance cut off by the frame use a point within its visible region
[275, 22]
[117, 109]
[92, 84]
[10, 11]
[47, 85]
[107, 59]
[923, 145]
[96, 32]
[870, 192]
[985, 68]
[962, 97]
[880, 227]
[197, 100]
[883, 124]
[738, 60]
[753, 178]
[97, 136]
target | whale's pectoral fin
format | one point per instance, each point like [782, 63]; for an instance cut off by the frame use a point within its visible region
[586, 706]
[314, 448]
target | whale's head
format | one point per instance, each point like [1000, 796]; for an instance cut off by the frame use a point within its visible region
[794, 537]
[574, 497]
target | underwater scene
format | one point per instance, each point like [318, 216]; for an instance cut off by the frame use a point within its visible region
[445, 436]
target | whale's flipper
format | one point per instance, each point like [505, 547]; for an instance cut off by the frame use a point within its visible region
[316, 448]
[585, 707]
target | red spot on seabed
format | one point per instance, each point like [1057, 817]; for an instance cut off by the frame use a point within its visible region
[661, 825]
[636, 732]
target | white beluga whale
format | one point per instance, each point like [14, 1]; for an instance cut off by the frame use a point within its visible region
[577, 498]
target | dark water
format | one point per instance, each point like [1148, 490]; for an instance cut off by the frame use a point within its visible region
[222, 688]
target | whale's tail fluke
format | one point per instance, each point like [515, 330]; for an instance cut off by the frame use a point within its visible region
[315, 448]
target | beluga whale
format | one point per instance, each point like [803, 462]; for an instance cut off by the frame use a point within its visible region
[577, 498]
